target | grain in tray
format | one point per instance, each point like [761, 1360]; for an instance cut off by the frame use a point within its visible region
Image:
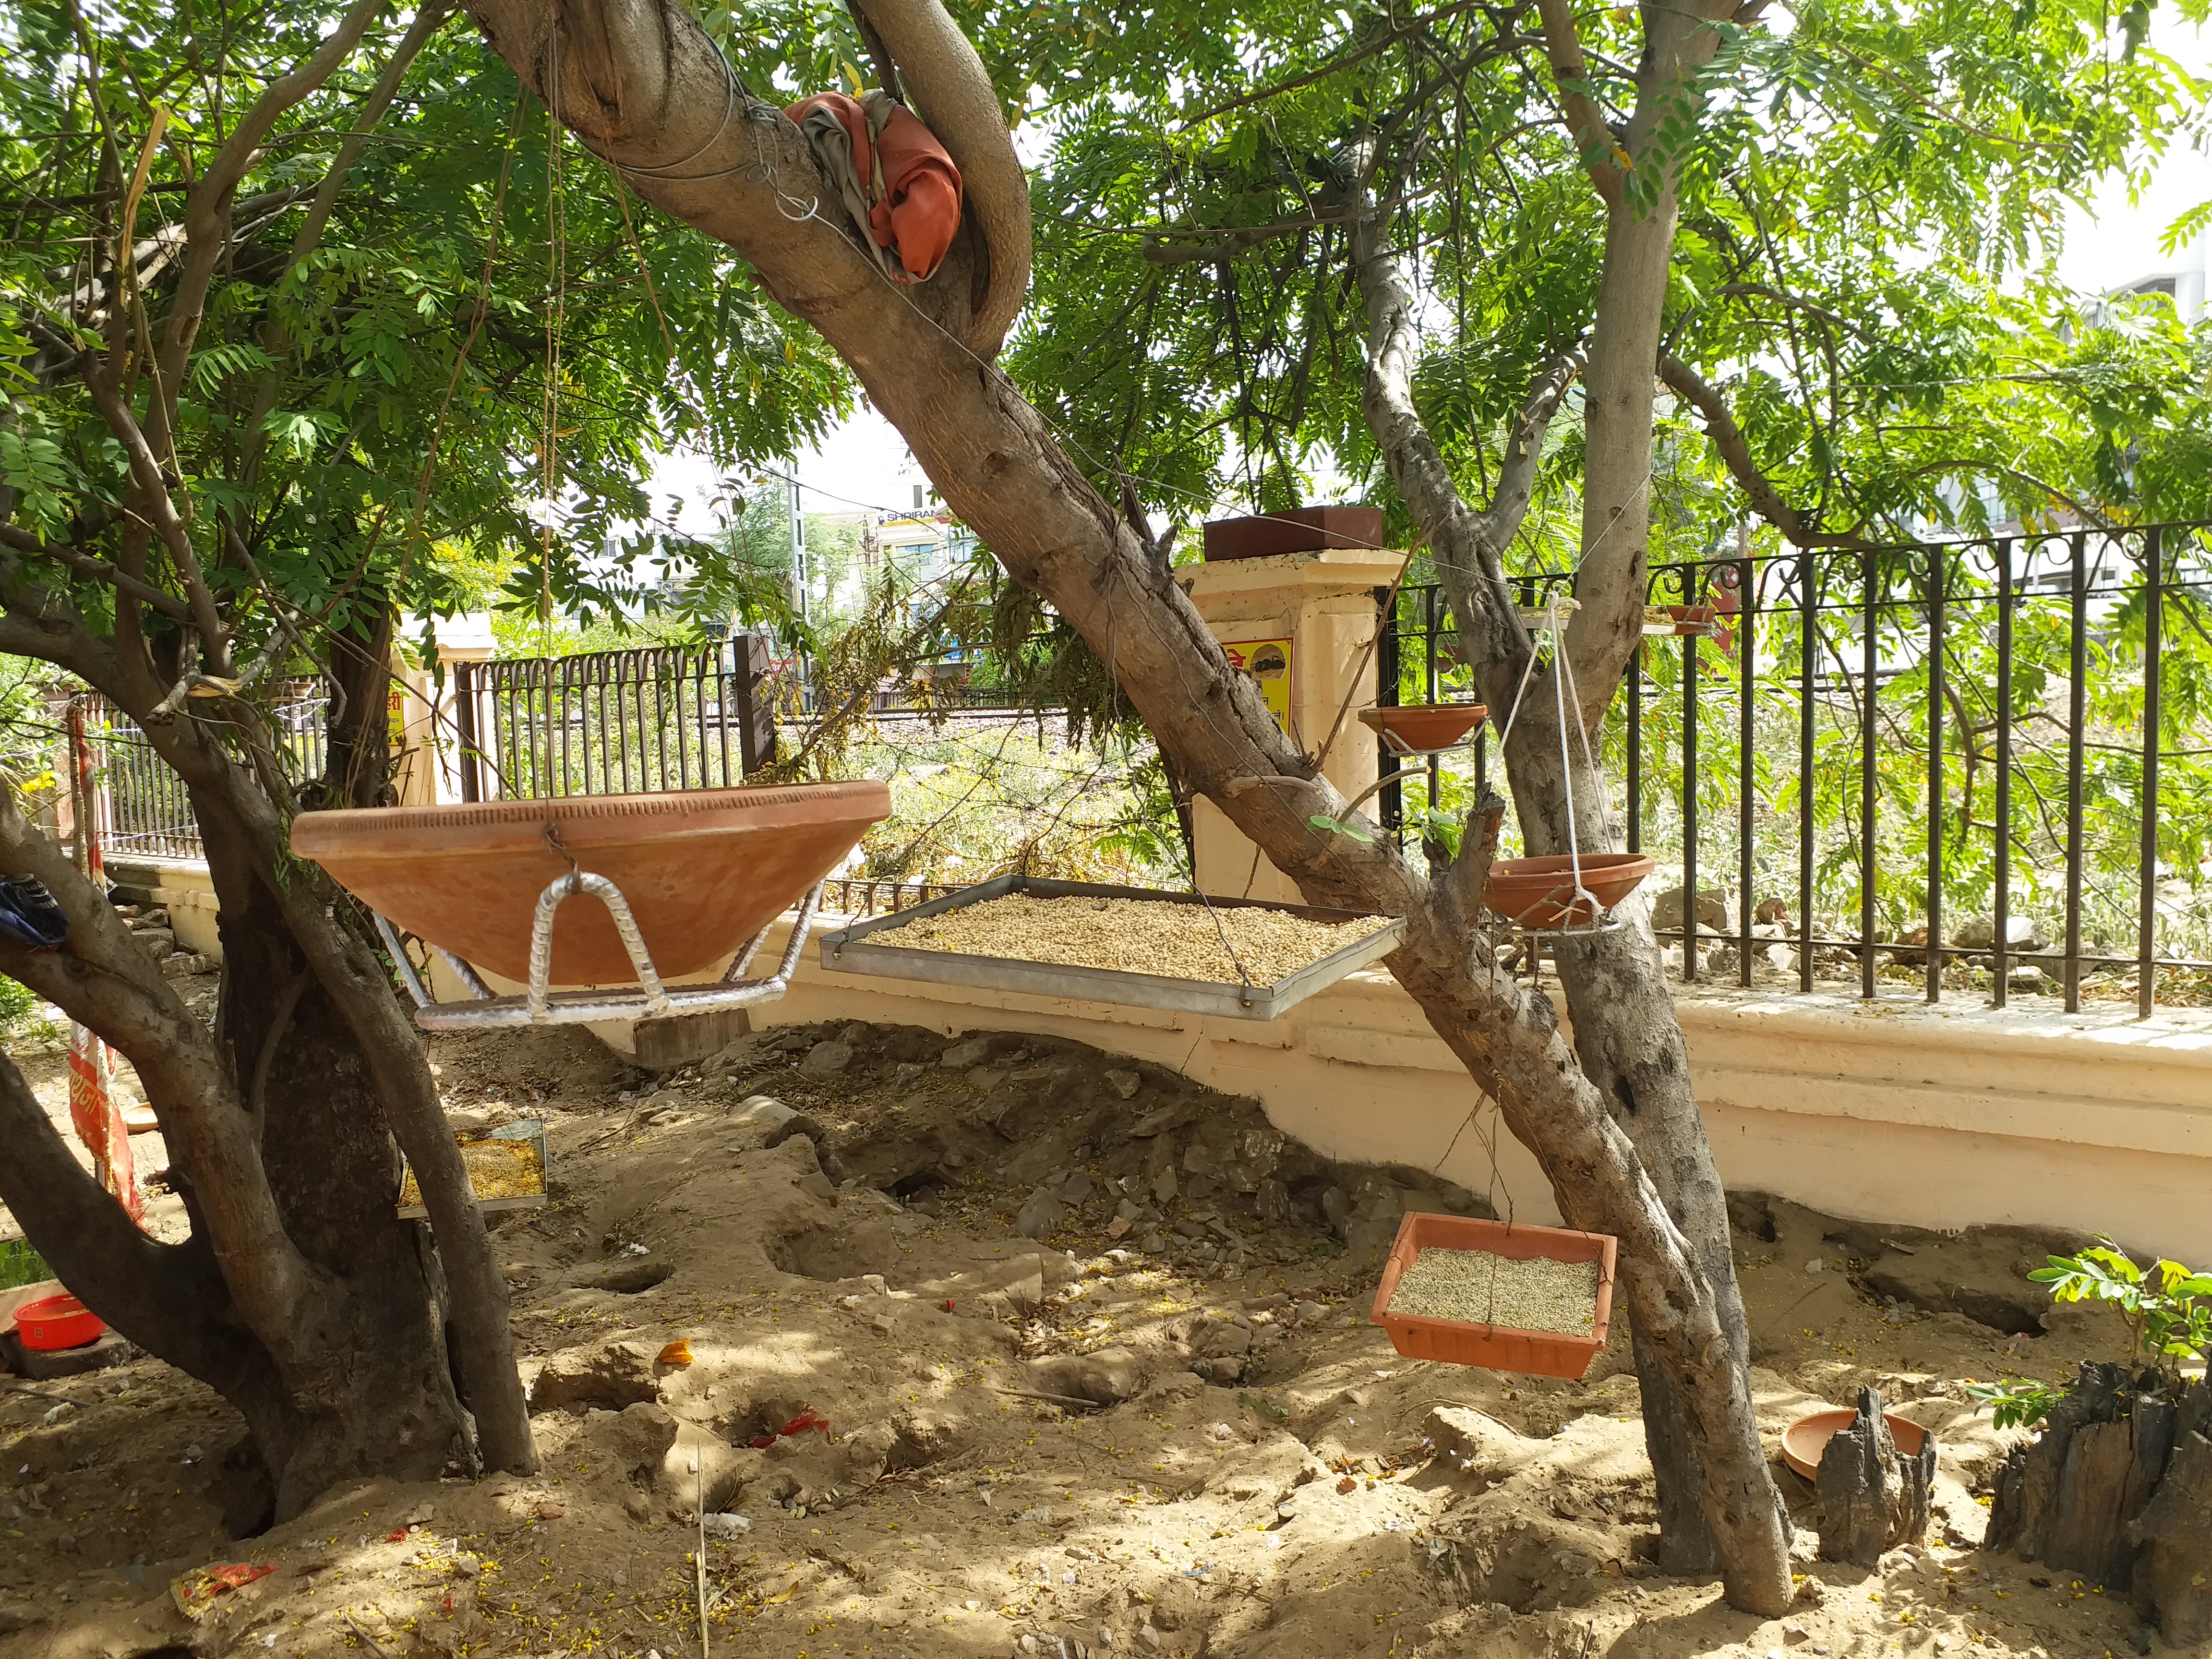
[1137, 936]
[1539, 1294]
[497, 1168]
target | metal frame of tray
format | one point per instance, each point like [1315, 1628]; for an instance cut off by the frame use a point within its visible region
[532, 1129]
[858, 949]
[542, 1006]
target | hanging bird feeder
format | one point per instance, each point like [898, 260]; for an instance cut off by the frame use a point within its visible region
[1412, 731]
[681, 881]
[1576, 892]
[1502, 1296]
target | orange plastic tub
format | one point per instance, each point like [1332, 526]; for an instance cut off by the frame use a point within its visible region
[1806, 1439]
[56, 1322]
[1495, 1347]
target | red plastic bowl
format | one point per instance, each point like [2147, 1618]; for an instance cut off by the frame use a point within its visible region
[58, 1321]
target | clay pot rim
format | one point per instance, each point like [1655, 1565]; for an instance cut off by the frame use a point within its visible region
[1612, 866]
[1379, 714]
[412, 832]
[1836, 1418]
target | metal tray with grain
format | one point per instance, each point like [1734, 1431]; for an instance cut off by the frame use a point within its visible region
[873, 947]
[529, 1129]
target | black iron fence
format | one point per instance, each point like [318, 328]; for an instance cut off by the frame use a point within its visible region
[856, 895]
[1983, 764]
[143, 808]
[646, 720]
[614, 722]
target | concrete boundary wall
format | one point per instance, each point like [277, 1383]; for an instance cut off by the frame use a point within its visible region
[1942, 1118]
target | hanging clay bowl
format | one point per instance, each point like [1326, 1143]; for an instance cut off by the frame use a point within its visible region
[1808, 1436]
[1299, 530]
[703, 870]
[1539, 894]
[1423, 728]
[1495, 1347]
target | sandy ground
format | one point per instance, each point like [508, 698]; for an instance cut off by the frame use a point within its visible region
[1165, 1427]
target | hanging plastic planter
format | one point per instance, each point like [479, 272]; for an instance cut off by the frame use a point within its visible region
[1574, 891]
[1429, 728]
[1687, 621]
[1541, 1275]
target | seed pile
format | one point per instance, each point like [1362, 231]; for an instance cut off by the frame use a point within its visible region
[497, 1168]
[1136, 936]
[1537, 1295]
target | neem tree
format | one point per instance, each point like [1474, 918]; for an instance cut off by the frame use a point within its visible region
[291, 303]
[1456, 247]
[1610, 1118]
[248, 432]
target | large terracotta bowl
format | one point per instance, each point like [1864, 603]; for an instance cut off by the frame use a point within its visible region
[1540, 893]
[703, 870]
[1806, 1438]
[1421, 728]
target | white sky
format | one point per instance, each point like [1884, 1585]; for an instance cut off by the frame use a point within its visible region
[2109, 241]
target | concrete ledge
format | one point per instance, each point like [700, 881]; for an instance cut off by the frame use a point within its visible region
[181, 886]
[1889, 1111]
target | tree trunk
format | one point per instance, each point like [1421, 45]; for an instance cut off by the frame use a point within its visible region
[327, 1147]
[2118, 1487]
[646, 89]
[1628, 1042]
[301, 1296]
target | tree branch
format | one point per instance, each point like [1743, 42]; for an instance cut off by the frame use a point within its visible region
[99, 569]
[1337, 65]
[1734, 451]
[943, 73]
[277, 338]
[207, 210]
[103, 980]
[1601, 152]
[160, 512]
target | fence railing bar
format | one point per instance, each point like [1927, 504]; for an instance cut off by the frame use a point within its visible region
[1747, 654]
[1808, 655]
[1871, 647]
[1936, 801]
[2147, 877]
[2077, 711]
[2001, 904]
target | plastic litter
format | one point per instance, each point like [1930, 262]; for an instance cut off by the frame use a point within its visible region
[807, 1419]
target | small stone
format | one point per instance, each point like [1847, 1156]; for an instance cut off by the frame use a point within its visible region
[1124, 1085]
[1815, 1265]
[962, 1055]
[814, 1184]
[1040, 1217]
[826, 1059]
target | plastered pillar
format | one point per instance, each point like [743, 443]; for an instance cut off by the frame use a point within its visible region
[1322, 607]
[425, 733]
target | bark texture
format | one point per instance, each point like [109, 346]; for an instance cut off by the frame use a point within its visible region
[1873, 1498]
[2117, 1488]
[645, 88]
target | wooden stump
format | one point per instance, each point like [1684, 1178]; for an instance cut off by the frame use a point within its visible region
[2118, 1487]
[1872, 1497]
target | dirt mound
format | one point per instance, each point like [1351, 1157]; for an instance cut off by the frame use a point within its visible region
[1002, 1347]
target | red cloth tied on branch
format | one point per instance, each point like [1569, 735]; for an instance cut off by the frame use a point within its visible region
[897, 182]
